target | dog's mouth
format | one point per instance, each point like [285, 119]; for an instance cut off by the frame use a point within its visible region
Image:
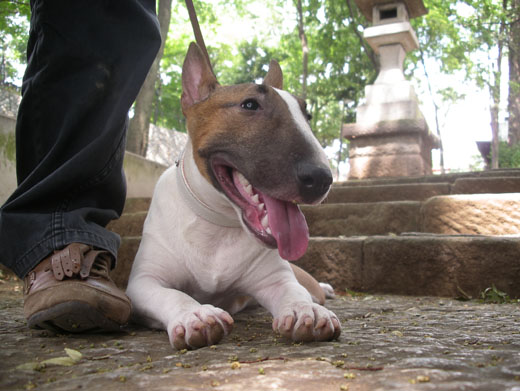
[276, 223]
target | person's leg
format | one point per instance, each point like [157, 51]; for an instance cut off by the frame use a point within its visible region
[87, 60]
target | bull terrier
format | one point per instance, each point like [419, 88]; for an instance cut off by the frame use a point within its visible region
[225, 220]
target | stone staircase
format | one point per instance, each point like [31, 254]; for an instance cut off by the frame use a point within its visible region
[450, 235]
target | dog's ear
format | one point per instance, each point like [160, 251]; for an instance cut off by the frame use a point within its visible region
[198, 80]
[274, 77]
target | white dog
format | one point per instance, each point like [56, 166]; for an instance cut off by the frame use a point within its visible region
[223, 223]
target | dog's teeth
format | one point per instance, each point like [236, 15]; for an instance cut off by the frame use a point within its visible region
[261, 207]
[255, 199]
[242, 179]
[268, 230]
[265, 222]
[249, 189]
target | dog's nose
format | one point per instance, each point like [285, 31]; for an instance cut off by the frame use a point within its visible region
[314, 181]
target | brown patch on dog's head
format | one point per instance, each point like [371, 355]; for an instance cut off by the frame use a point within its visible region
[248, 125]
[219, 116]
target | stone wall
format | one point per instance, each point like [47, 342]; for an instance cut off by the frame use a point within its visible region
[7, 157]
[141, 174]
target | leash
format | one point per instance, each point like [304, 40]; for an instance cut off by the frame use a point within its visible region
[199, 207]
[196, 31]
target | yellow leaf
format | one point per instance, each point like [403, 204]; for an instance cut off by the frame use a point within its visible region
[29, 366]
[73, 354]
[63, 361]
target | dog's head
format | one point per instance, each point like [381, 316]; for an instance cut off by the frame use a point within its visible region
[254, 144]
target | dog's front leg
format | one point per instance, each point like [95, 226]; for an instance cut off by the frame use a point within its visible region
[295, 315]
[189, 324]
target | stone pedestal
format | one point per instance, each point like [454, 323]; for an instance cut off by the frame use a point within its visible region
[390, 136]
[400, 147]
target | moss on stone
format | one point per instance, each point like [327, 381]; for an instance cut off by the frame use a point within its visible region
[8, 146]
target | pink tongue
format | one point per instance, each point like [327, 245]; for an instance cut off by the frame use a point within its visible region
[288, 227]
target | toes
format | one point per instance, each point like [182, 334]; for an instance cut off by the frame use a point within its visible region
[204, 327]
[206, 333]
[285, 328]
[226, 321]
[178, 338]
[309, 323]
[304, 331]
[337, 328]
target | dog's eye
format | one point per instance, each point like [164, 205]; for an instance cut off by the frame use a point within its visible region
[309, 116]
[250, 104]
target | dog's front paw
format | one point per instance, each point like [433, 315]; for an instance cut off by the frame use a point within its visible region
[204, 326]
[306, 322]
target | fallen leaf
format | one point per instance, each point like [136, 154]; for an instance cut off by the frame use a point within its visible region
[29, 366]
[63, 361]
[74, 354]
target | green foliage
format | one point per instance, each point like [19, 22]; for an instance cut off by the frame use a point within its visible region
[250, 64]
[14, 32]
[494, 295]
[455, 31]
[340, 64]
[338, 69]
[508, 155]
[440, 36]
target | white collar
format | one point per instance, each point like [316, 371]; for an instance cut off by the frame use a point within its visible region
[199, 207]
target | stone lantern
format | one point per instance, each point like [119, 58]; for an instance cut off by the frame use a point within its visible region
[390, 136]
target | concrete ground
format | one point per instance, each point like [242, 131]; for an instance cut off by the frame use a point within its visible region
[388, 343]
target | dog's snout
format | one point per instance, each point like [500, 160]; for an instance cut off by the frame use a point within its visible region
[314, 181]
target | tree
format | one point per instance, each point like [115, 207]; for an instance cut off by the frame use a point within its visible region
[514, 73]
[138, 129]
[305, 48]
[458, 33]
[14, 32]
[336, 70]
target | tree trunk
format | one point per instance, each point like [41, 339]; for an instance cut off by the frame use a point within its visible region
[436, 111]
[494, 135]
[138, 129]
[513, 104]
[305, 49]
[494, 89]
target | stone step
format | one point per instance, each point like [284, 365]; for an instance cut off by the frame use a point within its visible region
[325, 220]
[403, 189]
[392, 192]
[510, 184]
[474, 214]
[129, 224]
[431, 265]
[448, 178]
[125, 260]
[138, 204]
[371, 218]
[418, 191]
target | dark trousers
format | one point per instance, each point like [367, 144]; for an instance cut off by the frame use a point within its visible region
[87, 60]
